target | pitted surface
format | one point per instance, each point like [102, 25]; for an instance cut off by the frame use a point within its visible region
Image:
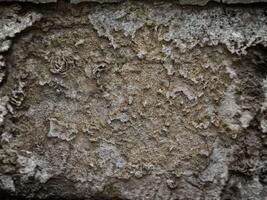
[133, 100]
[182, 2]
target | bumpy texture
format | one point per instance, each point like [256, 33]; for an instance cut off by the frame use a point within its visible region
[182, 2]
[133, 100]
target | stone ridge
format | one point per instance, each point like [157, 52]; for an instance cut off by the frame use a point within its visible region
[182, 2]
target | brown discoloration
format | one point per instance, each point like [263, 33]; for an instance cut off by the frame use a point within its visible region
[133, 100]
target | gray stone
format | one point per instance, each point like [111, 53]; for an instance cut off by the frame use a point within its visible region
[133, 100]
[182, 2]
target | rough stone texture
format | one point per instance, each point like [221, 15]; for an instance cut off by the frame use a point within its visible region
[32, 1]
[240, 1]
[134, 100]
[204, 2]
[182, 2]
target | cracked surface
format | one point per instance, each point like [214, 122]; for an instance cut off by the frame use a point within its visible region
[133, 100]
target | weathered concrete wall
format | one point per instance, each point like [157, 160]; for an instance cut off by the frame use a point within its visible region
[133, 100]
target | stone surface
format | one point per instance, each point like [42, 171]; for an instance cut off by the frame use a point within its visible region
[133, 100]
[32, 1]
[241, 1]
[182, 2]
[204, 2]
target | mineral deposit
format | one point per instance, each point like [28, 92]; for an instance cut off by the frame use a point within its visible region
[133, 100]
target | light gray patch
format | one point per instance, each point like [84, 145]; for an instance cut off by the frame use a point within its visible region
[61, 130]
[109, 153]
[184, 90]
[12, 26]
[7, 183]
[3, 108]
